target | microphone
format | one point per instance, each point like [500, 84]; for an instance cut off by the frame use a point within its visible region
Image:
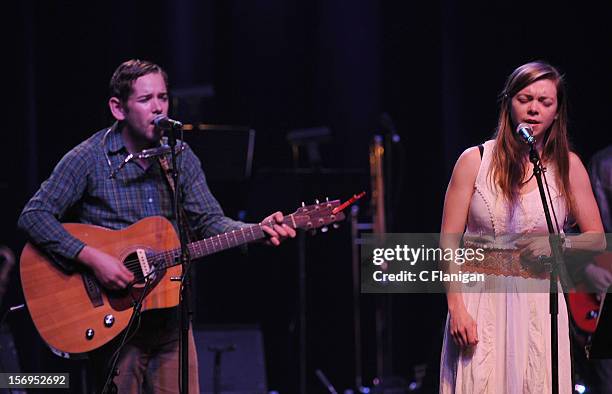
[165, 123]
[524, 131]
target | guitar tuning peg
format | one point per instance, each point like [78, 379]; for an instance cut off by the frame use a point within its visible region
[316, 201]
[324, 229]
[303, 205]
[326, 199]
[335, 225]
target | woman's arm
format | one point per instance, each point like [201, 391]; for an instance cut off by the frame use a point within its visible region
[584, 210]
[454, 217]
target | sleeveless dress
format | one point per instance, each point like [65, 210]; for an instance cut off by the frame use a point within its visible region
[513, 353]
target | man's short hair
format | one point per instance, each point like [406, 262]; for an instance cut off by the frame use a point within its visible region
[129, 71]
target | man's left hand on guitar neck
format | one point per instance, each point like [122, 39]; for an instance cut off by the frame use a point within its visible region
[279, 231]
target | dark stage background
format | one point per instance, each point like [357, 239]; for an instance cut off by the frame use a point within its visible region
[278, 65]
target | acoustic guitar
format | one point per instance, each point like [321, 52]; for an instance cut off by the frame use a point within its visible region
[74, 314]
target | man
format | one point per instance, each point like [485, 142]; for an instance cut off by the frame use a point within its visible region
[599, 372]
[596, 374]
[600, 170]
[81, 188]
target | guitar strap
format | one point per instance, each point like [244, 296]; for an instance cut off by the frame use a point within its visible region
[165, 165]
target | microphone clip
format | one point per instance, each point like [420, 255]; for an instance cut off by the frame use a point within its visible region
[146, 154]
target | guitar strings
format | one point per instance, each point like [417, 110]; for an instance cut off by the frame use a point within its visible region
[132, 264]
[135, 263]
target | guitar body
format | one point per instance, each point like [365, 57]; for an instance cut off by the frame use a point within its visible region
[59, 303]
[584, 309]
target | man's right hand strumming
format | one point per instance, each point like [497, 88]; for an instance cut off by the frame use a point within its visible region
[109, 271]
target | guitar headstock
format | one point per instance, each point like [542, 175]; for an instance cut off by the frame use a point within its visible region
[312, 217]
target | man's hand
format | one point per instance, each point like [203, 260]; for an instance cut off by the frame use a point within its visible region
[109, 271]
[600, 278]
[276, 230]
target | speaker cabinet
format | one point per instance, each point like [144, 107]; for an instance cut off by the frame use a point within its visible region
[233, 356]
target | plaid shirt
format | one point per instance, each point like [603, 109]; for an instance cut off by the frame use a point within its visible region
[80, 190]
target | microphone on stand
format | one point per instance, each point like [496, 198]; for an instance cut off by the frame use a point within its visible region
[524, 131]
[165, 123]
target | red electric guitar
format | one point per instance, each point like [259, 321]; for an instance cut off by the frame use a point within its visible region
[584, 306]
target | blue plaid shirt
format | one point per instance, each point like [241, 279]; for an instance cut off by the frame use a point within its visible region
[80, 190]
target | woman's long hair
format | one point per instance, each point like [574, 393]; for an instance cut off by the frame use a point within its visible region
[508, 167]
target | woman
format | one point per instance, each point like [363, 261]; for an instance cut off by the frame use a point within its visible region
[499, 342]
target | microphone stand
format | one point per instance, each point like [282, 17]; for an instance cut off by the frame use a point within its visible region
[109, 384]
[557, 263]
[185, 260]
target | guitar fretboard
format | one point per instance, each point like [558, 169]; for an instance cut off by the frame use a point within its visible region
[211, 245]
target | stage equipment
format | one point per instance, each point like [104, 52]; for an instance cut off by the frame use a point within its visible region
[231, 359]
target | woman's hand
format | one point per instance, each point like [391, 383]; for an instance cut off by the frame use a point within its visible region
[534, 248]
[463, 328]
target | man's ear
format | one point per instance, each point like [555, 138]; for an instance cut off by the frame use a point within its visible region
[116, 108]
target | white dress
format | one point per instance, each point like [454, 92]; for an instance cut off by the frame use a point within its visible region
[513, 353]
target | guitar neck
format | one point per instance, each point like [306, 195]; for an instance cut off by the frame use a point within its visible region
[221, 242]
[214, 244]
[307, 217]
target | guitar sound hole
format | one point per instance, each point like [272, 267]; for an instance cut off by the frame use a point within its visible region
[132, 263]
